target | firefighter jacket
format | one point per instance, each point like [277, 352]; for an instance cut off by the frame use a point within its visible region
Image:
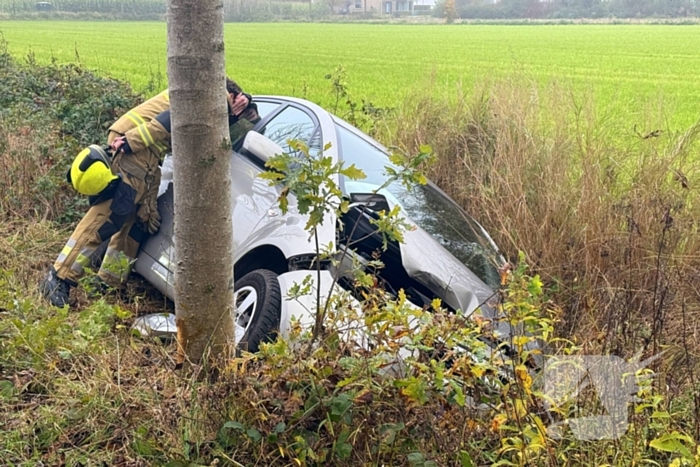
[146, 127]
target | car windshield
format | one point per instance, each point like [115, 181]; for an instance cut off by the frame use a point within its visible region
[426, 205]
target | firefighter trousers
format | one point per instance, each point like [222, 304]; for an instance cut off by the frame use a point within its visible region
[115, 220]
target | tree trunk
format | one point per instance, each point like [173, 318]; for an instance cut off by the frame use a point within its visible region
[202, 178]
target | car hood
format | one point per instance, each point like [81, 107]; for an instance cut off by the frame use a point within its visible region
[429, 263]
[432, 265]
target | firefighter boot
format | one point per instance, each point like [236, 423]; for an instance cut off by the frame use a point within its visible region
[55, 289]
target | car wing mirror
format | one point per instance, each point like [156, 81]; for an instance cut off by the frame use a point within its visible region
[374, 201]
[260, 146]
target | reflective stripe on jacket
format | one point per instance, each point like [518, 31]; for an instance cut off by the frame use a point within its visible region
[147, 125]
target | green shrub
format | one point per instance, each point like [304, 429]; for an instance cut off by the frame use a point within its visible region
[613, 244]
[47, 115]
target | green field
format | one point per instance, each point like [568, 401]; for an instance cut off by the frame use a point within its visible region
[626, 66]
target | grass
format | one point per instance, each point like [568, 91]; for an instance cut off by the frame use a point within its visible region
[630, 68]
[607, 216]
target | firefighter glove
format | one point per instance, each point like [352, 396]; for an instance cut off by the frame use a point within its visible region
[148, 212]
[149, 217]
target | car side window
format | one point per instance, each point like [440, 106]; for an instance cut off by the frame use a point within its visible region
[265, 108]
[240, 129]
[293, 123]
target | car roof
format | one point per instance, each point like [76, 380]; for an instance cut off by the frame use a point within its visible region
[295, 100]
[316, 109]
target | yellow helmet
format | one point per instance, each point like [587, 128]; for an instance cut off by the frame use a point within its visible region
[91, 172]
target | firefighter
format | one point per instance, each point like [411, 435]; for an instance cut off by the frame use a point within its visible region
[123, 191]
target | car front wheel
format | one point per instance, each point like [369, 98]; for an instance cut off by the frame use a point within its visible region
[258, 305]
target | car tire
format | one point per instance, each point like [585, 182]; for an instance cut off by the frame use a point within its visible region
[258, 307]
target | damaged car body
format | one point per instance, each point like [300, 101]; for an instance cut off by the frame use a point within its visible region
[446, 255]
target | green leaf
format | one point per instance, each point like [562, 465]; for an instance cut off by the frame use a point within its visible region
[396, 159]
[415, 458]
[284, 203]
[353, 173]
[254, 434]
[122, 313]
[388, 432]
[270, 175]
[303, 205]
[234, 425]
[7, 389]
[142, 448]
[343, 450]
[535, 286]
[460, 397]
[339, 405]
[504, 462]
[364, 279]
[315, 219]
[279, 428]
[415, 389]
[465, 459]
[342, 447]
[673, 442]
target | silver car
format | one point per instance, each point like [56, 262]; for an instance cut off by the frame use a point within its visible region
[448, 255]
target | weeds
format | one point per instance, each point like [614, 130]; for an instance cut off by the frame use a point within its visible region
[608, 228]
[47, 114]
[606, 213]
[365, 115]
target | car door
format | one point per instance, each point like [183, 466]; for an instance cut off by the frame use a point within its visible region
[285, 230]
[256, 217]
[250, 198]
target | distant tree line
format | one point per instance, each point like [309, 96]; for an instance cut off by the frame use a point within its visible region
[554, 9]
[234, 10]
[314, 10]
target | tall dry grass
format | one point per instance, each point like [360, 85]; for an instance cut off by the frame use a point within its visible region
[30, 175]
[597, 209]
[605, 207]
